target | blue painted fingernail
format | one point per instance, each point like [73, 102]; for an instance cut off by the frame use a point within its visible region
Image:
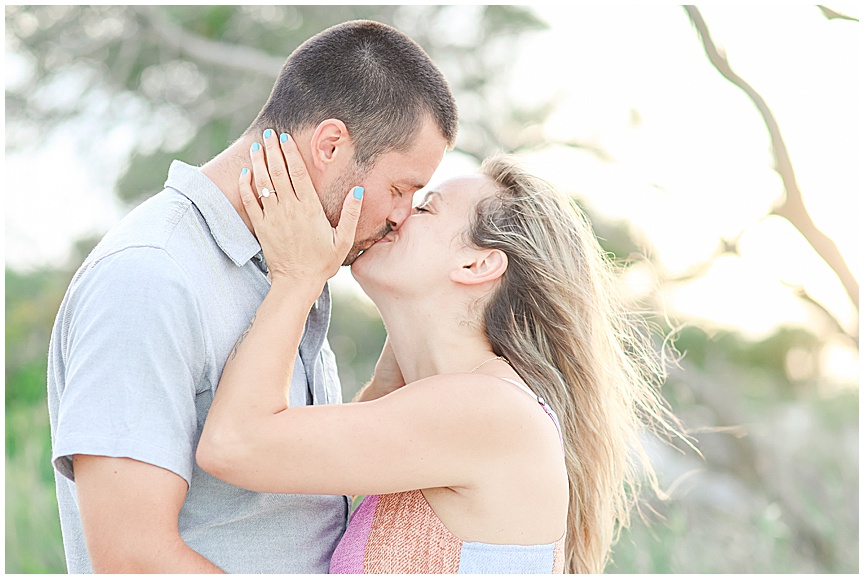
[268, 133]
[283, 137]
[255, 146]
[358, 192]
[244, 171]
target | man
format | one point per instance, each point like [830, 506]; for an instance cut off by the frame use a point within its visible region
[151, 316]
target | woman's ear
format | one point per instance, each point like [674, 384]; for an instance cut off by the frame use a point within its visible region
[330, 142]
[483, 266]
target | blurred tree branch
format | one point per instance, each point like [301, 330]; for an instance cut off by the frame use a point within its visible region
[801, 293]
[791, 207]
[696, 270]
[207, 50]
[833, 14]
[731, 246]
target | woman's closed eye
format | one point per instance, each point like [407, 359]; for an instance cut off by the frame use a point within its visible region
[426, 205]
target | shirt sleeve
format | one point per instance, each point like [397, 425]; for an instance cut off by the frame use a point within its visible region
[134, 352]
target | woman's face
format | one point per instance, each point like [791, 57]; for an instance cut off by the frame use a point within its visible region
[418, 257]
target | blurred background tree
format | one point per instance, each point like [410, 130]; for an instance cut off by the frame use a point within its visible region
[777, 487]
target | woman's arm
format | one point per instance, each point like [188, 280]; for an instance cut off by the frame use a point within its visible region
[302, 251]
[441, 431]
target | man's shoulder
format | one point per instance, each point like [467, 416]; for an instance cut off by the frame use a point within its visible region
[150, 224]
[139, 246]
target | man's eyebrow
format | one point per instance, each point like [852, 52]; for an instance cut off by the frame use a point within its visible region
[407, 185]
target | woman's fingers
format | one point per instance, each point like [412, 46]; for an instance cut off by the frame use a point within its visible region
[285, 171]
[279, 176]
[249, 198]
[347, 228]
[300, 180]
[264, 188]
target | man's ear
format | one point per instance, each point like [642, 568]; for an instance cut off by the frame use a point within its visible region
[480, 267]
[330, 142]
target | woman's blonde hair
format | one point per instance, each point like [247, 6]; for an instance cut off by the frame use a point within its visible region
[557, 317]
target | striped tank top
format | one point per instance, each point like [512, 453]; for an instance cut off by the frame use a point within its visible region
[400, 533]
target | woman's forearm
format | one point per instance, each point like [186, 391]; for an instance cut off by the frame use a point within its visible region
[256, 380]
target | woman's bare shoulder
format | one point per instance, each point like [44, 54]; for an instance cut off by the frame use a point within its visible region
[490, 403]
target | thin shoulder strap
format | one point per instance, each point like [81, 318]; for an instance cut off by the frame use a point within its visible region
[526, 389]
[543, 403]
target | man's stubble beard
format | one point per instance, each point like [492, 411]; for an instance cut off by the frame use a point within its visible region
[332, 203]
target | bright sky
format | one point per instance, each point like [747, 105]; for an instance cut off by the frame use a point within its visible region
[702, 142]
[689, 154]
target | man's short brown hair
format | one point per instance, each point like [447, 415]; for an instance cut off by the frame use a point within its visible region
[372, 77]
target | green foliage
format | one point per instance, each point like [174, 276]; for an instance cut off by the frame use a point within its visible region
[33, 540]
[212, 22]
[768, 354]
[32, 301]
[615, 237]
[512, 19]
[356, 336]
[29, 382]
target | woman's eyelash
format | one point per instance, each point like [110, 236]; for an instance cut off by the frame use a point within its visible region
[421, 209]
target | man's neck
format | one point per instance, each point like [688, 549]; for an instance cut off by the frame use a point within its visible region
[224, 170]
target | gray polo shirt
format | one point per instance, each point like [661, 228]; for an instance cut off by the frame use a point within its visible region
[135, 356]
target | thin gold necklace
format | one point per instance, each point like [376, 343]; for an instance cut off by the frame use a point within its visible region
[502, 358]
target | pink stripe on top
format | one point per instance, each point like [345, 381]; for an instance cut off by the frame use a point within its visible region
[348, 556]
[406, 536]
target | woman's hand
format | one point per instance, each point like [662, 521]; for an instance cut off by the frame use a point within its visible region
[298, 241]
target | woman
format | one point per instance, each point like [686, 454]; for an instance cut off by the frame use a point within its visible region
[507, 439]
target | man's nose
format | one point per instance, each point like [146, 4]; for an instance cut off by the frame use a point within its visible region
[400, 213]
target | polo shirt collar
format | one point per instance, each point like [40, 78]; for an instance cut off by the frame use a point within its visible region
[227, 228]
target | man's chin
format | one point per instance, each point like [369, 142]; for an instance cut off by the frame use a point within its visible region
[360, 248]
[353, 255]
[350, 259]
